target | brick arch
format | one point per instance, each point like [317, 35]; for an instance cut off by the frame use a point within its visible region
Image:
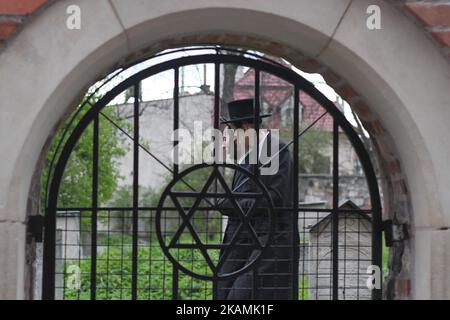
[434, 18]
[14, 14]
[106, 45]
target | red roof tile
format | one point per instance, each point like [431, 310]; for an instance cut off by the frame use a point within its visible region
[275, 91]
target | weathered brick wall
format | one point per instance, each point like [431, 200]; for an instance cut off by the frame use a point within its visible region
[14, 13]
[435, 17]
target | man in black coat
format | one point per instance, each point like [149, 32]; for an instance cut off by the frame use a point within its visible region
[277, 269]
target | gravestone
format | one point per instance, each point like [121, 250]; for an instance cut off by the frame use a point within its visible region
[354, 252]
[68, 246]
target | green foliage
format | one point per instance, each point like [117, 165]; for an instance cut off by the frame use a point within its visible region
[76, 185]
[385, 259]
[123, 197]
[303, 288]
[312, 157]
[313, 145]
[154, 273]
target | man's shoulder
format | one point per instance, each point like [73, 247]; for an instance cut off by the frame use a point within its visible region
[275, 139]
[282, 144]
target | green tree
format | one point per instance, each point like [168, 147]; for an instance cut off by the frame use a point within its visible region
[76, 184]
[312, 150]
[114, 269]
[312, 156]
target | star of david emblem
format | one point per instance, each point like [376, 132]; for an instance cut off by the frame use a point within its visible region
[186, 214]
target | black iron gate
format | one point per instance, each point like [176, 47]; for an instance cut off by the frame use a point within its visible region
[336, 243]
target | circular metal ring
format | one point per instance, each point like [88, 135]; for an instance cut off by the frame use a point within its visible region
[215, 274]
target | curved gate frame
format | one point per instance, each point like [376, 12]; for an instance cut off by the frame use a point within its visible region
[275, 69]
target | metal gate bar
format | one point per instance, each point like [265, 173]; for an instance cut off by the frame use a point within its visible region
[134, 266]
[257, 107]
[216, 126]
[335, 217]
[95, 150]
[295, 246]
[176, 120]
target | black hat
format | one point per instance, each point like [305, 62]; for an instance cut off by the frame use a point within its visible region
[240, 110]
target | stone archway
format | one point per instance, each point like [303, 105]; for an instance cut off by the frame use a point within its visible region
[385, 75]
